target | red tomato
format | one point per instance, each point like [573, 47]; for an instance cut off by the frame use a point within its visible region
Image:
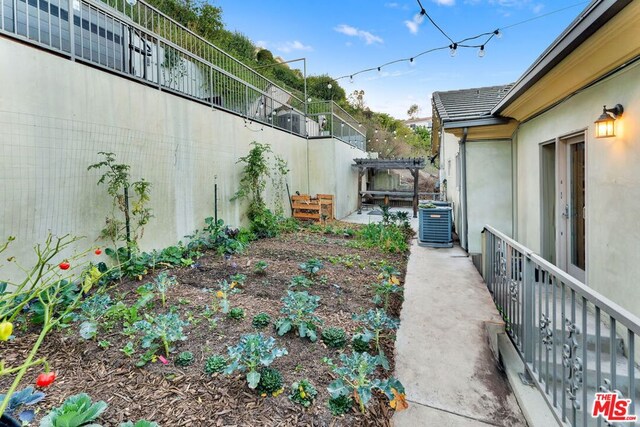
[64, 265]
[98, 251]
[46, 379]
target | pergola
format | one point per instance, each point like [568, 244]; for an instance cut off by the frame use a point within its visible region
[413, 164]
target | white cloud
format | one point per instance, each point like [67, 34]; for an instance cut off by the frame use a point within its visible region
[537, 8]
[392, 5]
[262, 44]
[414, 24]
[350, 31]
[445, 2]
[294, 45]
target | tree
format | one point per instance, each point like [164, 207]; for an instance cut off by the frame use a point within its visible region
[356, 99]
[413, 111]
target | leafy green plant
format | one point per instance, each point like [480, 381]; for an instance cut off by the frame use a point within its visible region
[361, 342]
[376, 322]
[163, 328]
[219, 237]
[261, 320]
[90, 312]
[260, 267]
[239, 278]
[299, 308]
[128, 349]
[334, 337]
[26, 397]
[76, 411]
[300, 282]
[162, 283]
[312, 266]
[215, 364]
[355, 378]
[303, 393]
[105, 344]
[252, 352]
[225, 289]
[136, 214]
[270, 382]
[384, 289]
[340, 405]
[184, 359]
[389, 238]
[236, 313]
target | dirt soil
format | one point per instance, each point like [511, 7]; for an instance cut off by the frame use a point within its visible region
[174, 396]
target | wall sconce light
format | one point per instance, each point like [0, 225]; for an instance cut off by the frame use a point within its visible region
[605, 125]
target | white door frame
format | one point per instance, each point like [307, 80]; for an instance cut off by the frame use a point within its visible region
[563, 206]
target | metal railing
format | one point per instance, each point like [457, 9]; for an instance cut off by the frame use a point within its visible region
[574, 342]
[138, 41]
[331, 119]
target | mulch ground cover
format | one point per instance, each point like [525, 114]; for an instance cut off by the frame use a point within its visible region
[186, 396]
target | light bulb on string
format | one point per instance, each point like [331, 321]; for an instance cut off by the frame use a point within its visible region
[453, 49]
[481, 52]
[351, 79]
[329, 86]
[498, 33]
[412, 62]
[379, 70]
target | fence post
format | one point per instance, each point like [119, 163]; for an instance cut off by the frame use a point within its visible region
[528, 307]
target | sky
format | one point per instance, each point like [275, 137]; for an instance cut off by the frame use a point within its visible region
[342, 37]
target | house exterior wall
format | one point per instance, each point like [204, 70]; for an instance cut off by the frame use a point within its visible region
[56, 115]
[449, 171]
[489, 195]
[612, 183]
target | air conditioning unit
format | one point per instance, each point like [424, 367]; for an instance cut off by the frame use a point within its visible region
[435, 227]
[290, 121]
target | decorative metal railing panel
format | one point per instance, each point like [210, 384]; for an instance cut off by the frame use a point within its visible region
[574, 341]
[136, 40]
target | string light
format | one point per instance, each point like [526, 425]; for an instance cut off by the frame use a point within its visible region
[454, 46]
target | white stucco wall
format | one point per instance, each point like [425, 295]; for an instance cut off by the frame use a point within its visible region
[56, 115]
[489, 195]
[449, 171]
[612, 183]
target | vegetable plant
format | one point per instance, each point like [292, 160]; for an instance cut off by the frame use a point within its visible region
[76, 411]
[384, 289]
[251, 353]
[225, 289]
[215, 364]
[270, 382]
[26, 397]
[312, 266]
[117, 178]
[163, 328]
[260, 267]
[334, 337]
[162, 283]
[300, 282]
[184, 359]
[236, 313]
[303, 393]
[91, 311]
[361, 342]
[340, 405]
[298, 309]
[356, 378]
[261, 320]
[376, 322]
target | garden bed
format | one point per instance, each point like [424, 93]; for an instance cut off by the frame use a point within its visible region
[186, 396]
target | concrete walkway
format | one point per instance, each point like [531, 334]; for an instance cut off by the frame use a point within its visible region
[443, 356]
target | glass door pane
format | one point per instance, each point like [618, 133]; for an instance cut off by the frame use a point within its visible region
[577, 206]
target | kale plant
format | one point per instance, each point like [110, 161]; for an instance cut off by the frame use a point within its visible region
[161, 284]
[251, 353]
[215, 364]
[300, 282]
[20, 399]
[225, 289]
[376, 322]
[90, 313]
[334, 337]
[76, 411]
[356, 378]
[164, 328]
[261, 320]
[299, 308]
[303, 393]
[312, 266]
